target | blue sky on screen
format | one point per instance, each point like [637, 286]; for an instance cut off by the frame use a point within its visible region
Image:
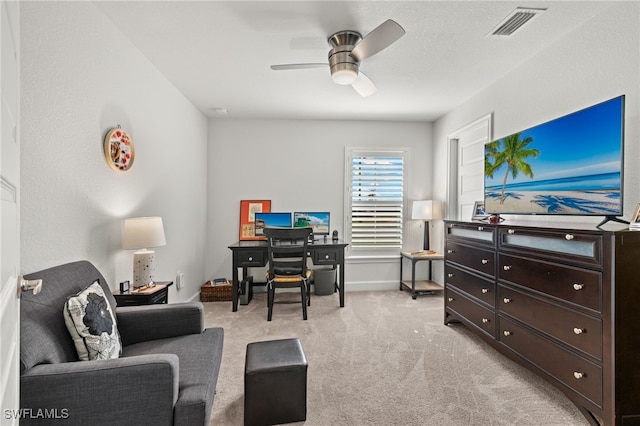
[583, 143]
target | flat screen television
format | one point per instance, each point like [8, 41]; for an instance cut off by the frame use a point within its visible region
[572, 165]
[318, 221]
[273, 220]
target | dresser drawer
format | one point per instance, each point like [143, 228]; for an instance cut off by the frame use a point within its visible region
[477, 233]
[570, 246]
[252, 258]
[582, 376]
[472, 284]
[473, 312]
[472, 257]
[578, 286]
[581, 331]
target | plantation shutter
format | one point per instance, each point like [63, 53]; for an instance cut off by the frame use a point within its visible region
[377, 194]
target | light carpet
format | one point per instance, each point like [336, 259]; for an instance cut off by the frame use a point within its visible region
[385, 359]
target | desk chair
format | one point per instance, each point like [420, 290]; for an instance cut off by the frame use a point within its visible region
[287, 249]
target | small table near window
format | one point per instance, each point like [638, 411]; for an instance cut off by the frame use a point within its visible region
[144, 296]
[419, 286]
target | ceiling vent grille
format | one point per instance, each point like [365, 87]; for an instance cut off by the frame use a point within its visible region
[514, 22]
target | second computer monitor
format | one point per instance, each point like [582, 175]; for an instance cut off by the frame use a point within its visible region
[319, 222]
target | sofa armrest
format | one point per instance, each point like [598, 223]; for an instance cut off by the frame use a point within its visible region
[125, 391]
[152, 322]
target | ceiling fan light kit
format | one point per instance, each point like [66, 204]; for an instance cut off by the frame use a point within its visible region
[349, 48]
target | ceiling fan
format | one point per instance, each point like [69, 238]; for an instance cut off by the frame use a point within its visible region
[349, 49]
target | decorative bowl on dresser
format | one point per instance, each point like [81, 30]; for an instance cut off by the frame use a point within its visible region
[559, 300]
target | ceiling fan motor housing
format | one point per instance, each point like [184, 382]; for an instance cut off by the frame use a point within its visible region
[344, 67]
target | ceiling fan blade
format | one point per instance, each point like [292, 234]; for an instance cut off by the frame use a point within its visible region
[297, 66]
[363, 85]
[381, 37]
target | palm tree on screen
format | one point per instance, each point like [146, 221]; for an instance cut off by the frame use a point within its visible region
[514, 154]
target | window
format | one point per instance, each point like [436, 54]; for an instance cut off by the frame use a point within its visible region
[375, 198]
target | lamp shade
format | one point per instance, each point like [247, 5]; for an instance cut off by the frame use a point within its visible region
[143, 232]
[426, 210]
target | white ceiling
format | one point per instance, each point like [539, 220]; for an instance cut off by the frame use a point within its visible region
[218, 53]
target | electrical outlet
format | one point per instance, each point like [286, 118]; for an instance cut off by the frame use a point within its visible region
[179, 280]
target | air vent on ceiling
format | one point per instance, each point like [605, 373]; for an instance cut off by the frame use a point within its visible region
[514, 22]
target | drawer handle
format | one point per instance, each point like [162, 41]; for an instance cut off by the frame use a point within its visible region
[506, 300]
[450, 251]
[480, 228]
[507, 333]
[326, 256]
[511, 231]
[485, 320]
[450, 275]
[577, 330]
[569, 237]
[507, 267]
[450, 299]
[485, 261]
[578, 287]
[579, 375]
[485, 290]
[250, 259]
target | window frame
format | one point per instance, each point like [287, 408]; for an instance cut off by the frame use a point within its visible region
[375, 250]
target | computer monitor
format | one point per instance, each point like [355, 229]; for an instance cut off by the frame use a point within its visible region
[319, 222]
[272, 220]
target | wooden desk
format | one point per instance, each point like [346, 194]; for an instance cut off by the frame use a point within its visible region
[145, 296]
[419, 286]
[249, 254]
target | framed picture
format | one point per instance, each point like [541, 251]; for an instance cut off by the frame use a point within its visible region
[635, 220]
[478, 211]
[248, 210]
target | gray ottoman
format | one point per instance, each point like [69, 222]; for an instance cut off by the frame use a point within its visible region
[275, 383]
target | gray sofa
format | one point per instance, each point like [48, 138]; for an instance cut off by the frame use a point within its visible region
[166, 375]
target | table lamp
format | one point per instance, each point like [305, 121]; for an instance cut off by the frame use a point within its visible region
[426, 210]
[140, 233]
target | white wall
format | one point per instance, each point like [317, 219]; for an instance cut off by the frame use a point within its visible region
[593, 63]
[299, 165]
[80, 77]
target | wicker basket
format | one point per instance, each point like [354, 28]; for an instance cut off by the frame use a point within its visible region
[215, 293]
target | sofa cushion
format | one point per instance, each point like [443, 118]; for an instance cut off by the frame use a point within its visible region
[92, 324]
[199, 356]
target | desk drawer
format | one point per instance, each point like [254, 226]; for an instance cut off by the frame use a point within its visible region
[252, 258]
[324, 257]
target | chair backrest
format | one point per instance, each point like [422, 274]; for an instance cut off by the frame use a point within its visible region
[287, 250]
[44, 337]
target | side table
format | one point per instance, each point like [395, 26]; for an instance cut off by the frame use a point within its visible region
[144, 296]
[419, 286]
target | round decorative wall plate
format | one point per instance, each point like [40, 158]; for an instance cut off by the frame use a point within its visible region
[118, 149]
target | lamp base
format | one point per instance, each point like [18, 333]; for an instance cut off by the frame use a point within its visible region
[143, 267]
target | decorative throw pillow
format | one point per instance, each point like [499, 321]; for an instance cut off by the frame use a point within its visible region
[92, 324]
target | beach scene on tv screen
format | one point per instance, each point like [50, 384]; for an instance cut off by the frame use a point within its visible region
[571, 165]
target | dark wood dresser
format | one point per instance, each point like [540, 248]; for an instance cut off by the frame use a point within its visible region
[562, 301]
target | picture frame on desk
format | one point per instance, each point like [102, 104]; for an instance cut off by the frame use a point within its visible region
[248, 209]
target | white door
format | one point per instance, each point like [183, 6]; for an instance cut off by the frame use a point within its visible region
[9, 213]
[466, 163]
